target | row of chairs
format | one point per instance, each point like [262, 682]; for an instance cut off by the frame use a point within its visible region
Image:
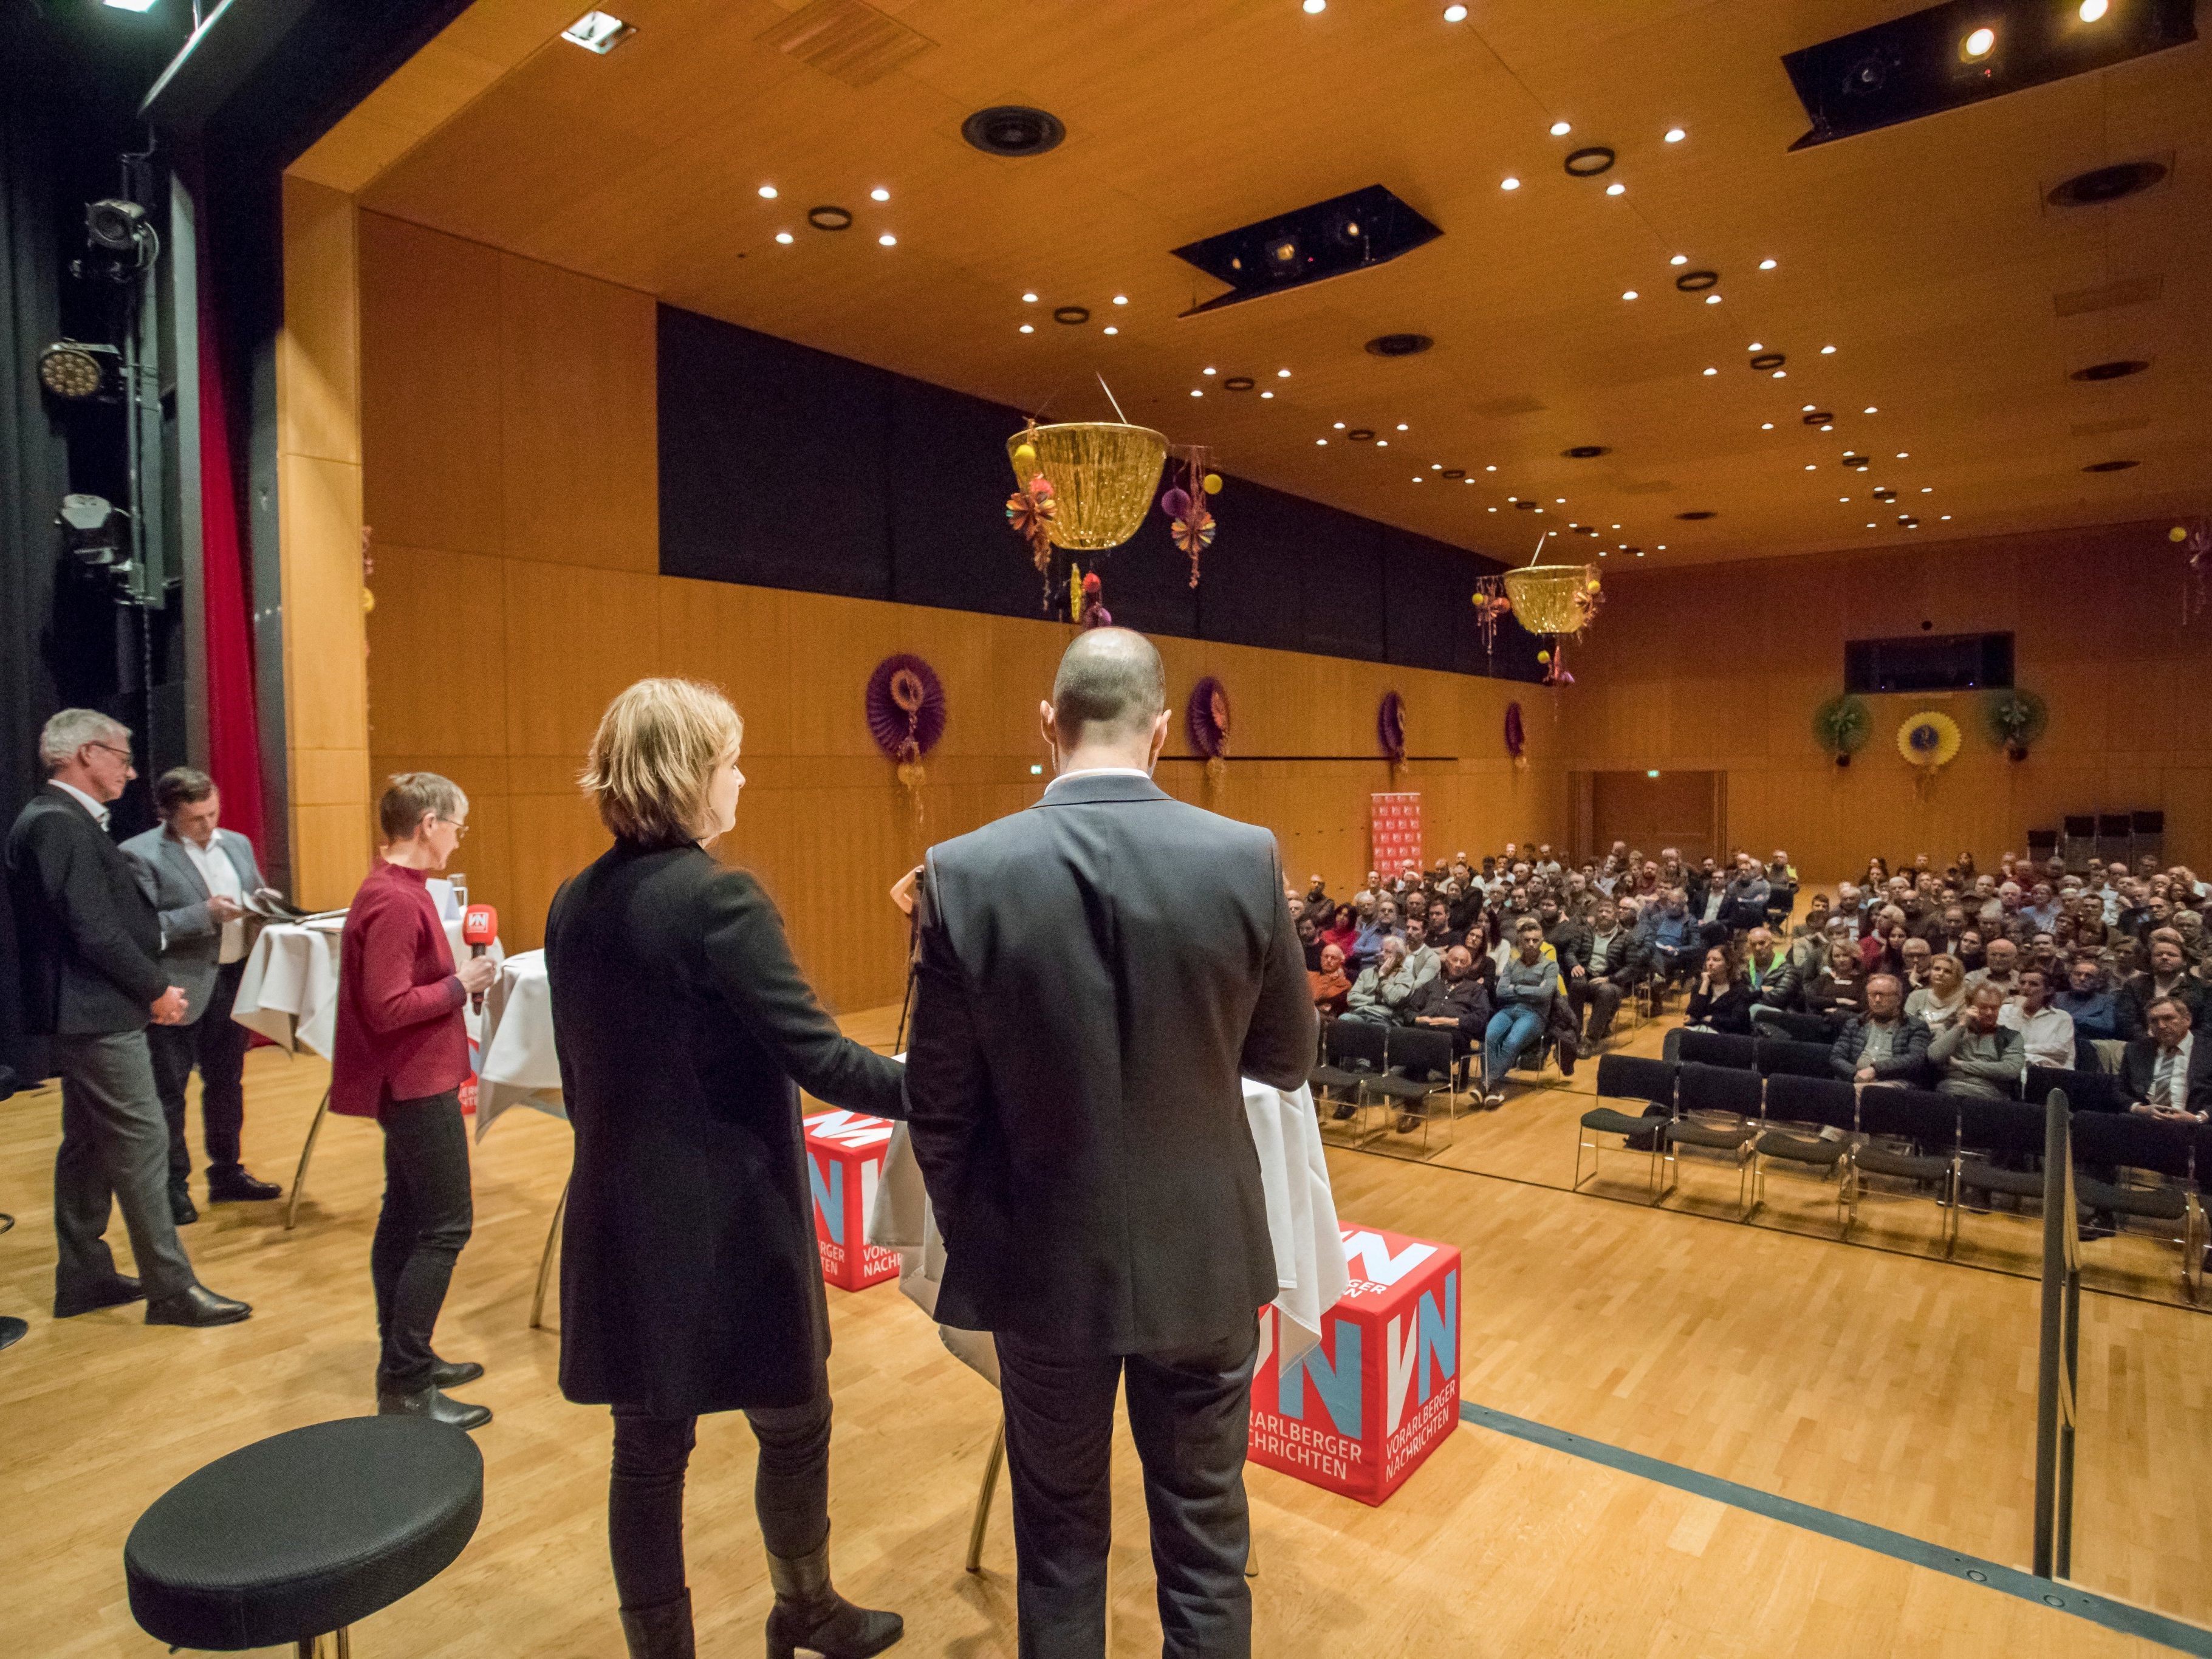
[1957, 1149]
[1399, 1071]
[2085, 1092]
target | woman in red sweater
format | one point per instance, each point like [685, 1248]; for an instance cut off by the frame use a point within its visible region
[400, 1057]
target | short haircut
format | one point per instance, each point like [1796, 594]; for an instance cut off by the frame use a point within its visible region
[2175, 1003]
[71, 729]
[408, 795]
[1529, 925]
[654, 754]
[1891, 980]
[1986, 991]
[1111, 680]
[180, 785]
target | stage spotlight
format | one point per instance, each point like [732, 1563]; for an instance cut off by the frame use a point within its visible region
[2093, 11]
[91, 529]
[73, 372]
[131, 5]
[1977, 44]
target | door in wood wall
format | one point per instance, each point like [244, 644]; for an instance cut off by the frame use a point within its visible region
[1652, 810]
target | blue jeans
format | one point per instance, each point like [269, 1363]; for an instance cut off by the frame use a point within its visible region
[1511, 1029]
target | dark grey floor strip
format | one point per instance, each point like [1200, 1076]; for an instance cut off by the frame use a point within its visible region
[2067, 1598]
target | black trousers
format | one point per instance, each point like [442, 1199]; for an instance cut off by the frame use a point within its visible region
[216, 1044]
[426, 1219]
[645, 1492]
[1601, 999]
[1190, 1411]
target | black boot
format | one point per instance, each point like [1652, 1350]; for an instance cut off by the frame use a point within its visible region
[809, 1613]
[661, 1632]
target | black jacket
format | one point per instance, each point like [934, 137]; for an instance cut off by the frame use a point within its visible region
[2139, 1065]
[87, 934]
[1908, 1059]
[2131, 1004]
[1095, 974]
[690, 1278]
[1727, 1009]
[1466, 1001]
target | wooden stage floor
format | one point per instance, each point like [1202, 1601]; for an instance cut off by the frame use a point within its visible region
[1882, 1384]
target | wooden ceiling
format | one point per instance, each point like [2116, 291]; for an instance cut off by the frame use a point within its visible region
[1924, 253]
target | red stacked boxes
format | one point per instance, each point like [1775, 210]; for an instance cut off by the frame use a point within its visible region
[1358, 1413]
[844, 1166]
[1394, 833]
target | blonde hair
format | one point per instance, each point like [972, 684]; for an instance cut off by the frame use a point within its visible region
[653, 756]
[408, 795]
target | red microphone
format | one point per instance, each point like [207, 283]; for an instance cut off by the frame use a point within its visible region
[479, 927]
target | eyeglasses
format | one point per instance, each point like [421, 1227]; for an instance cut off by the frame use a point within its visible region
[460, 830]
[112, 749]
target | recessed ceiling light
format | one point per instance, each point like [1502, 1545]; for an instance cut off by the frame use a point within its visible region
[1827, 426]
[1514, 499]
[1282, 373]
[2093, 10]
[879, 194]
[1560, 129]
[1493, 510]
[1509, 182]
[1417, 478]
[1382, 443]
[1843, 498]
[767, 192]
[1315, 8]
[783, 236]
[1110, 329]
[1324, 442]
[1028, 329]
[1928, 489]
[1340, 426]
[1978, 44]
[1264, 394]
[828, 217]
[1559, 500]
[1455, 13]
[1662, 548]
[1871, 410]
[1827, 351]
[1490, 469]
[1811, 466]
[1436, 466]
[1121, 299]
[1616, 188]
[1781, 373]
[1904, 454]
[1712, 371]
[595, 32]
[1675, 135]
[1600, 553]
[1712, 299]
[1029, 299]
[1766, 265]
[1767, 426]
[1628, 294]
[887, 240]
[1680, 259]
[1639, 551]
[1947, 518]
[1401, 426]
[1755, 346]
[1195, 392]
[1809, 408]
[1206, 371]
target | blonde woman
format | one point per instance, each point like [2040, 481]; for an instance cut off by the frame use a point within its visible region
[690, 1279]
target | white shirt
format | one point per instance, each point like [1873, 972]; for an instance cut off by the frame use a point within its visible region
[2169, 1079]
[1102, 772]
[2047, 1034]
[99, 812]
[220, 877]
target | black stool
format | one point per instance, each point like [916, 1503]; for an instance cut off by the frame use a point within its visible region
[300, 1534]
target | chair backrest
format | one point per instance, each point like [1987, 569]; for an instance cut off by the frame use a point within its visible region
[1718, 1089]
[1780, 1055]
[1919, 1115]
[2011, 1127]
[2139, 1143]
[1628, 1077]
[1358, 1045]
[1422, 1054]
[2085, 1092]
[1719, 1048]
[1791, 1098]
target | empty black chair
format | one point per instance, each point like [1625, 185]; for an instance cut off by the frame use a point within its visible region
[1927, 1121]
[1356, 1057]
[2085, 1092]
[1727, 1103]
[1798, 1109]
[1626, 1077]
[1422, 1063]
[1719, 1048]
[1778, 1056]
[1988, 1129]
[2109, 1142]
[1777, 1024]
[303, 1533]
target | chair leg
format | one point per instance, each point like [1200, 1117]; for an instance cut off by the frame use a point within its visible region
[981, 1523]
[545, 1260]
[306, 1152]
[1252, 1557]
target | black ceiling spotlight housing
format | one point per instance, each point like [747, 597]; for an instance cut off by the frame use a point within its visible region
[1071, 314]
[1822, 417]
[2110, 466]
[1585, 451]
[1334, 238]
[2118, 369]
[1398, 345]
[1589, 161]
[1237, 383]
[1360, 435]
[1769, 360]
[829, 218]
[1527, 506]
[1919, 64]
[74, 371]
[1455, 473]
[1013, 130]
[1698, 516]
[1697, 282]
[2101, 184]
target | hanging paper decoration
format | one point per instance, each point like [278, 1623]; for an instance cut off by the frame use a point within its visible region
[1206, 718]
[1031, 511]
[1929, 742]
[2197, 538]
[1492, 607]
[1516, 737]
[1190, 521]
[1390, 727]
[1090, 611]
[906, 717]
[1842, 726]
[2017, 719]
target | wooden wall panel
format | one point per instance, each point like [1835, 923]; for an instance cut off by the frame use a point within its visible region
[451, 700]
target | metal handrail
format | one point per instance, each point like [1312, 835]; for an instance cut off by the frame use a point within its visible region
[2056, 1362]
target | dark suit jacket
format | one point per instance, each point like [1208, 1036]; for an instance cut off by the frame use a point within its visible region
[1094, 974]
[2131, 1004]
[2140, 1063]
[690, 1279]
[87, 932]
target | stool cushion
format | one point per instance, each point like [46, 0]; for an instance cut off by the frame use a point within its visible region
[296, 1535]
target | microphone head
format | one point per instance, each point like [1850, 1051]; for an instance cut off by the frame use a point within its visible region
[480, 925]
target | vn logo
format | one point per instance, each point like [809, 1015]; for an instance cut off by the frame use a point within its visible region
[1419, 1354]
[854, 1129]
[1432, 1347]
[826, 1176]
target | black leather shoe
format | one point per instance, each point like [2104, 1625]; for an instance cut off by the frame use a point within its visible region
[12, 1330]
[197, 1306]
[809, 1616]
[237, 1187]
[428, 1403]
[112, 1293]
[181, 1211]
[452, 1373]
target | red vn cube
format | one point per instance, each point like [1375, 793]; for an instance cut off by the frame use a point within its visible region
[844, 1166]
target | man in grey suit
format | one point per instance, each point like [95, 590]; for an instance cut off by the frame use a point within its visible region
[200, 877]
[1094, 975]
[91, 983]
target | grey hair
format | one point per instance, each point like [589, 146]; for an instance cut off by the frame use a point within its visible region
[70, 730]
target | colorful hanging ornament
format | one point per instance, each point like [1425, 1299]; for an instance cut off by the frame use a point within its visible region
[1190, 522]
[1516, 737]
[1929, 742]
[905, 705]
[1492, 607]
[1092, 612]
[2196, 538]
[1842, 726]
[1031, 513]
[1390, 727]
[1206, 718]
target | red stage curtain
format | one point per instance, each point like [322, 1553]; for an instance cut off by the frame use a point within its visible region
[234, 723]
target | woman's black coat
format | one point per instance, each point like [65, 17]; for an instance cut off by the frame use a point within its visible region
[690, 1278]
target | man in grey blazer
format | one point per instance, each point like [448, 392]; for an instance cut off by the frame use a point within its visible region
[200, 876]
[1094, 975]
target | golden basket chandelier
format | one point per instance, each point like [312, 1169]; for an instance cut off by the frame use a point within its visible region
[1103, 475]
[1550, 598]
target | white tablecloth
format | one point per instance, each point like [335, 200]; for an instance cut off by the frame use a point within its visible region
[290, 989]
[517, 1064]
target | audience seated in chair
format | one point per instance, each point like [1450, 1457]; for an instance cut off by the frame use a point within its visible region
[2166, 976]
[1720, 1000]
[1379, 993]
[1331, 989]
[1527, 986]
[1773, 983]
[2167, 1072]
[1612, 962]
[1976, 1054]
[1456, 999]
[2047, 1031]
[1943, 999]
[1885, 1045]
